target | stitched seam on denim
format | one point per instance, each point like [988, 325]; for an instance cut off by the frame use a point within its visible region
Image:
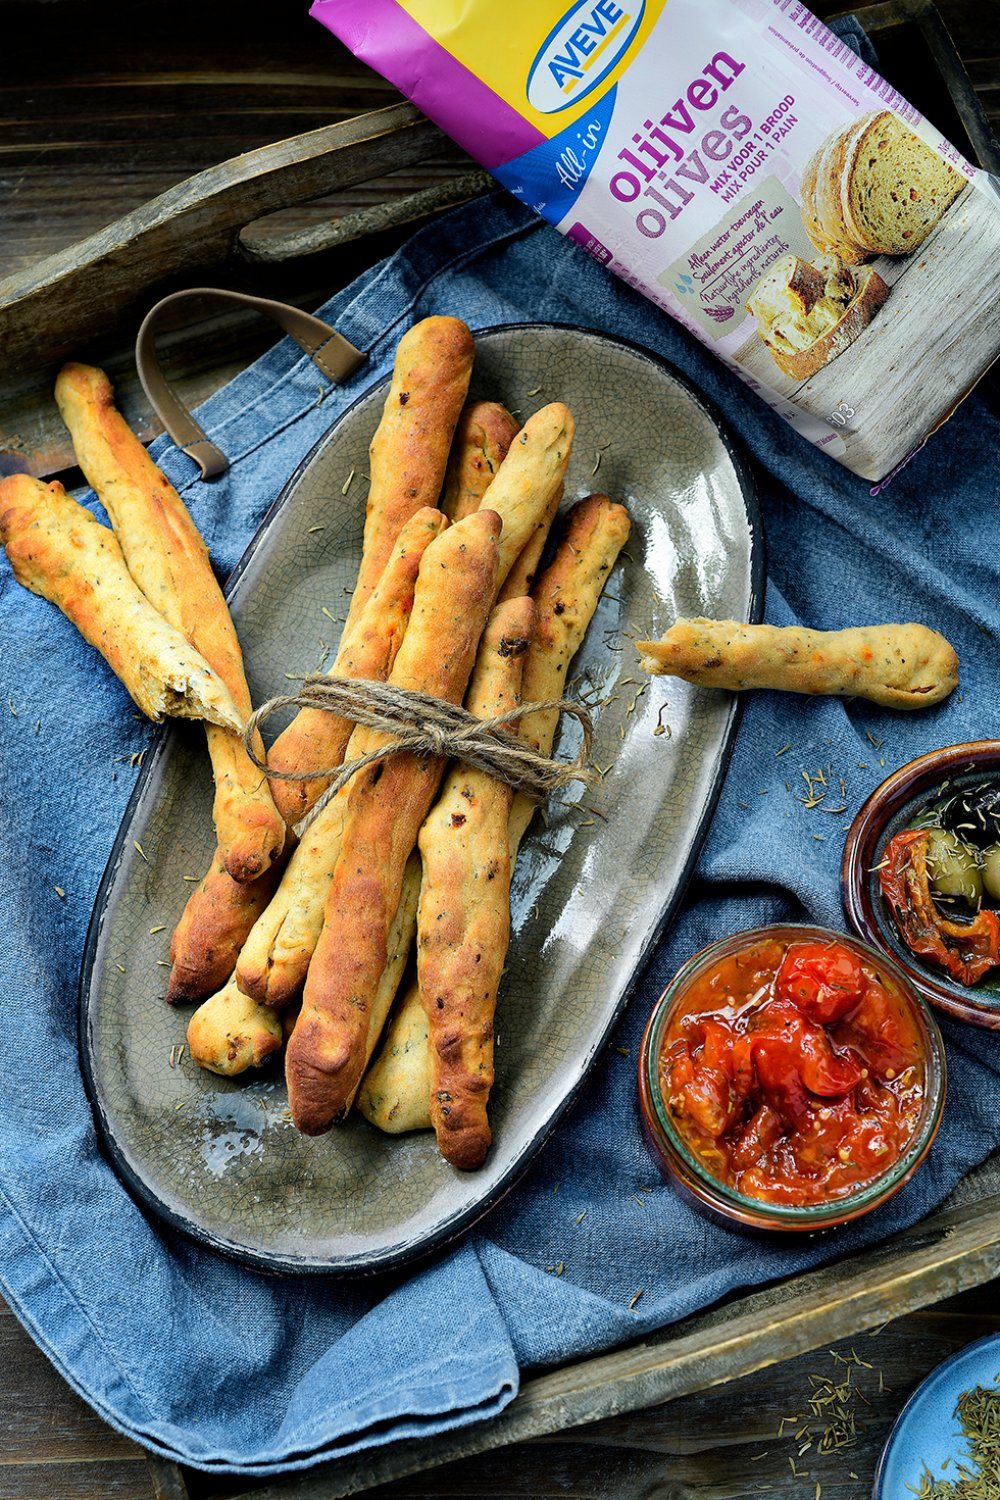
[464, 257]
[74, 1299]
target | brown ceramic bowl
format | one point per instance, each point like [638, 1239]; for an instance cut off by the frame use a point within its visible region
[890, 809]
[689, 1174]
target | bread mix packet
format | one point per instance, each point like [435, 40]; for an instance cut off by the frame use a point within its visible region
[741, 167]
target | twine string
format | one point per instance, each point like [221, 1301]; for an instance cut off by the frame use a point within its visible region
[427, 726]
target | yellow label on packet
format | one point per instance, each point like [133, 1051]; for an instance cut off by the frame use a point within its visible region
[570, 51]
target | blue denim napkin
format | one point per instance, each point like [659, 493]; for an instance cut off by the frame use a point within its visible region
[232, 1371]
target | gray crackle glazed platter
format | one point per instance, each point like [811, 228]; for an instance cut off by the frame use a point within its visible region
[219, 1159]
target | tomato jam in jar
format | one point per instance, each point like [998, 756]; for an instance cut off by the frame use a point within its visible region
[792, 1069]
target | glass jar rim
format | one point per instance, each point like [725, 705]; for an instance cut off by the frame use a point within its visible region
[728, 1200]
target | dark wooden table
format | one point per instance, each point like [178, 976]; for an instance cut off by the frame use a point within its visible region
[104, 105]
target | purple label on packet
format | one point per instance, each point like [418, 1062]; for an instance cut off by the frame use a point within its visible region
[581, 235]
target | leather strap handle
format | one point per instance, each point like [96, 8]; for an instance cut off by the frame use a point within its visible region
[329, 351]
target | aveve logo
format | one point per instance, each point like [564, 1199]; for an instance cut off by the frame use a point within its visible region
[580, 51]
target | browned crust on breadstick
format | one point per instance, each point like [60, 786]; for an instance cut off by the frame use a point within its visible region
[368, 647]
[57, 549]
[482, 439]
[168, 559]
[213, 928]
[409, 452]
[897, 666]
[463, 921]
[388, 801]
[394, 1093]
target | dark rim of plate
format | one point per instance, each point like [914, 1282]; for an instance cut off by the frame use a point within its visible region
[395, 1257]
[890, 808]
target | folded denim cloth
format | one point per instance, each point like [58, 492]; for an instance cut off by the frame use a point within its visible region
[231, 1371]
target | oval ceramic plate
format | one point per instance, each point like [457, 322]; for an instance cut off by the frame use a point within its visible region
[890, 809]
[220, 1158]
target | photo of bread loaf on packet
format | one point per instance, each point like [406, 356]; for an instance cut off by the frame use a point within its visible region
[873, 190]
[747, 171]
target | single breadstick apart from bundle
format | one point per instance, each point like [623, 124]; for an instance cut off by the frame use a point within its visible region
[483, 437]
[315, 740]
[394, 1094]
[388, 800]
[57, 549]
[169, 561]
[463, 922]
[896, 666]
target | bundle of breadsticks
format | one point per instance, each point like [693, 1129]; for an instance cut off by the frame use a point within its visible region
[410, 856]
[301, 930]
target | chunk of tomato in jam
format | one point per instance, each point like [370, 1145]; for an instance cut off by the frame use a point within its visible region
[824, 980]
[794, 1072]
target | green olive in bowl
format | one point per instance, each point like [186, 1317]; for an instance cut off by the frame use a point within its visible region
[954, 867]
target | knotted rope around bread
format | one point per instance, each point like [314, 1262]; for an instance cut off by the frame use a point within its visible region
[424, 725]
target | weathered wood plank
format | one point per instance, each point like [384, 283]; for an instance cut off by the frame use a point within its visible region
[48, 309]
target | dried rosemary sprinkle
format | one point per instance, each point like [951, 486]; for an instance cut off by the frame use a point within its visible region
[580, 1217]
[154, 930]
[59, 892]
[347, 483]
[534, 392]
[635, 1299]
[139, 850]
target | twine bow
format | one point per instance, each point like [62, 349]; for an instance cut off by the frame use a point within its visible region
[427, 726]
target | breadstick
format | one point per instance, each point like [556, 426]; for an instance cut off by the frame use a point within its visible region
[463, 922]
[409, 452]
[57, 549]
[455, 590]
[207, 940]
[529, 482]
[409, 455]
[896, 666]
[230, 1033]
[522, 575]
[275, 959]
[394, 1092]
[483, 437]
[368, 646]
[167, 558]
